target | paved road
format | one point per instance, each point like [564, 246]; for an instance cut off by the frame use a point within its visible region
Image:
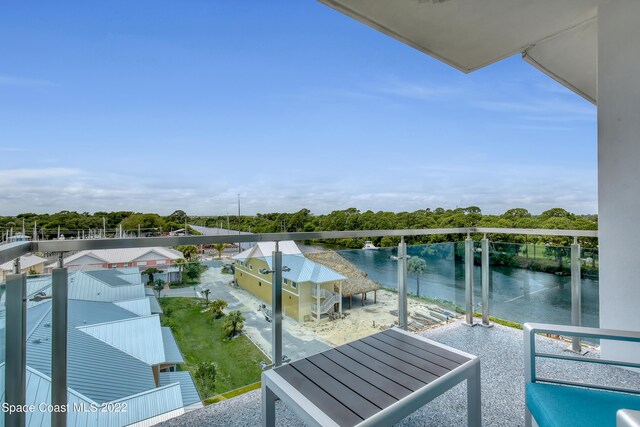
[182, 292]
[294, 344]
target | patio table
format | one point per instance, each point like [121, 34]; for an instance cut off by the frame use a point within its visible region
[374, 381]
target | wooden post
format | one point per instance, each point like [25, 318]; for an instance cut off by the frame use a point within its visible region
[375, 297]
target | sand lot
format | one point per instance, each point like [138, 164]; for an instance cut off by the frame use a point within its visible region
[363, 321]
[358, 322]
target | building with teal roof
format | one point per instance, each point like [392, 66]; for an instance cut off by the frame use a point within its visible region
[119, 355]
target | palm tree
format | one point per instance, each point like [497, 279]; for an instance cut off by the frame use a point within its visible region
[233, 324]
[206, 293]
[216, 308]
[158, 285]
[219, 247]
[417, 266]
[188, 251]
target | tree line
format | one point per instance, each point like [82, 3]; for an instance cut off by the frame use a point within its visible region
[305, 220]
[354, 219]
[71, 223]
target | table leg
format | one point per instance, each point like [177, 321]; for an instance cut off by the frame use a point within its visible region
[268, 406]
[474, 401]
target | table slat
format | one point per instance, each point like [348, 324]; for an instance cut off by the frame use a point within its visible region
[402, 378]
[342, 415]
[349, 398]
[428, 347]
[416, 351]
[417, 373]
[406, 357]
[369, 373]
[373, 394]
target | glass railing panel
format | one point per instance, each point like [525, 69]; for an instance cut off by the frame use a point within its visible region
[435, 268]
[590, 269]
[524, 287]
[532, 283]
[366, 292]
[214, 322]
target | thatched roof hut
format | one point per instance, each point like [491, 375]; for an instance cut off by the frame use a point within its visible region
[357, 281]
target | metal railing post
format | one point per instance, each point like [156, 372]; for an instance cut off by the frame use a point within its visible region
[576, 291]
[485, 282]
[468, 280]
[15, 369]
[59, 322]
[276, 309]
[402, 285]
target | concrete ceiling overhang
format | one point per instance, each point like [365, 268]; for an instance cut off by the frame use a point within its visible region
[559, 37]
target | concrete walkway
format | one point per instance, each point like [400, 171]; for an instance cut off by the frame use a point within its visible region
[502, 362]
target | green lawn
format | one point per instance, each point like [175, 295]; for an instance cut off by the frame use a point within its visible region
[201, 340]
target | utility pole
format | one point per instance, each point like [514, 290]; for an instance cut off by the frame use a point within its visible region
[239, 245]
[104, 228]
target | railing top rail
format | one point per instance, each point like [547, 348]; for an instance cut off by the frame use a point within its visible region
[537, 232]
[11, 251]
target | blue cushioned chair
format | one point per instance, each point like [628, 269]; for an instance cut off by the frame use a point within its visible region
[566, 403]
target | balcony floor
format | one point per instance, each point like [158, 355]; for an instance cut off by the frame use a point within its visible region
[501, 353]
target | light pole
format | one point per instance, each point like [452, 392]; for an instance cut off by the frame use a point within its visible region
[239, 244]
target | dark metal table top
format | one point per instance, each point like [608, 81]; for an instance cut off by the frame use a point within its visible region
[355, 381]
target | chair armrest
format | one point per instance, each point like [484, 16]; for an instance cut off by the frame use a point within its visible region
[581, 331]
[530, 330]
[627, 418]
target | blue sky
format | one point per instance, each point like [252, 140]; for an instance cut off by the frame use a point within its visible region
[162, 105]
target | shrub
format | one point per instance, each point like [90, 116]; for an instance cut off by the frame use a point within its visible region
[205, 374]
[216, 308]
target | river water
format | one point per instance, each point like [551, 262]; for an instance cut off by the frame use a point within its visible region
[515, 294]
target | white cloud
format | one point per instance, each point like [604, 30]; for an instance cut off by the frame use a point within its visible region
[415, 90]
[25, 82]
[542, 108]
[494, 188]
[22, 174]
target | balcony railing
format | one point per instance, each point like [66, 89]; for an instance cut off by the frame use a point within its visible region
[15, 295]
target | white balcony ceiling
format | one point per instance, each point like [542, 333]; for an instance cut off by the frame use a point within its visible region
[559, 37]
